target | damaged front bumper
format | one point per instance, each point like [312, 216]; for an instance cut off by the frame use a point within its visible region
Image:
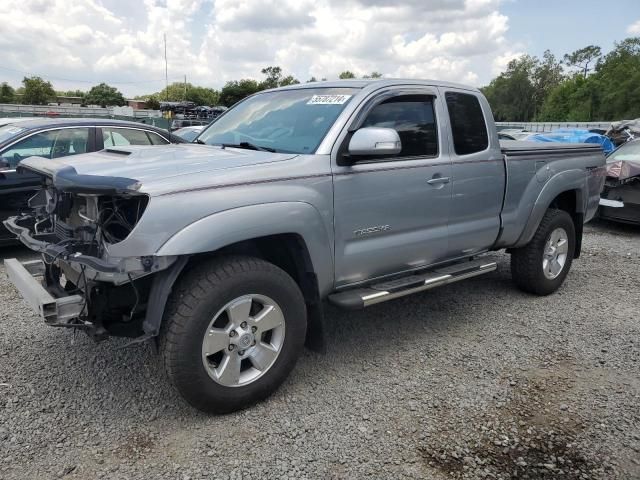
[114, 270]
[28, 278]
[71, 288]
[620, 201]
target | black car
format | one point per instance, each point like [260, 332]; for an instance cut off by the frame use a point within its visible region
[56, 138]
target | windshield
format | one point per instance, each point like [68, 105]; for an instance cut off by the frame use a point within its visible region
[290, 121]
[188, 134]
[629, 152]
[9, 131]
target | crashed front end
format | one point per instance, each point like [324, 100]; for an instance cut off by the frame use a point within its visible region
[620, 198]
[74, 220]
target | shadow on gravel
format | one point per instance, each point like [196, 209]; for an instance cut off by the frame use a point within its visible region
[133, 376]
[17, 251]
[527, 437]
[601, 225]
[379, 330]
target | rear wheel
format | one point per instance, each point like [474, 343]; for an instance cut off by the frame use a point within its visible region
[233, 331]
[541, 266]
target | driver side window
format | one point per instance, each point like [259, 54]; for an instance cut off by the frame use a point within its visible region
[51, 144]
[413, 117]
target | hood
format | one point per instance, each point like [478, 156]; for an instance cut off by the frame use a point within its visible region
[623, 169]
[153, 164]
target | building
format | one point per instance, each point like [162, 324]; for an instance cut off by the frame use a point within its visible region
[137, 104]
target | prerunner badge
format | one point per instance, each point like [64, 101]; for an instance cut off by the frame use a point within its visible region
[328, 99]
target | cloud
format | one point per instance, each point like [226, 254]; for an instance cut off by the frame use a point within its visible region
[211, 42]
[500, 62]
[634, 28]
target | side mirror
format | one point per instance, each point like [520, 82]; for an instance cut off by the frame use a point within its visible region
[375, 141]
[4, 165]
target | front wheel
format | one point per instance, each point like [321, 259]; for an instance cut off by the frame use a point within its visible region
[233, 331]
[541, 266]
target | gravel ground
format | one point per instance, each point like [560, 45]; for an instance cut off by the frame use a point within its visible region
[475, 380]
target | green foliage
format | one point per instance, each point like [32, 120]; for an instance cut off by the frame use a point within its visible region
[275, 79]
[273, 74]
[512, 93]
[582, 58]
[573, 100]
[618, 77]
[37, 91]
[373, 75]
[236, 90]
[346, 74]
[179, 91]
[105, 96]
[538, 89]
[289, 80]
[7, 93]
[612, 92]
[152, 102]
[71, 93]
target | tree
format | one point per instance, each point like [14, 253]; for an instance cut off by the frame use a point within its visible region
[617, 77]
[373, 75]
[346, 74]
[573, 100]
[288, 80]
[273, 74]
[202, 95]
[312, 79]
[545, 76]
[179, 91]
[37, 91]
[512, 93]
[236, 90]
[611, 92]
[7, 93]
[583, 57]
[72, 93]
[152, 103]
[104, 95]
[275, 79]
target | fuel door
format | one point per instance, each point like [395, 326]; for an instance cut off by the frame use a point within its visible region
[543, 171]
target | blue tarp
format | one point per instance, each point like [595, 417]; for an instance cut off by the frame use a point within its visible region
[574, 135]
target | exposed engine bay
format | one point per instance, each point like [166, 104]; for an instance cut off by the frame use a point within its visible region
[73, 230]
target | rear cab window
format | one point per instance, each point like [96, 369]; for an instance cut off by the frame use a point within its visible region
[118, 137]
[468, 126]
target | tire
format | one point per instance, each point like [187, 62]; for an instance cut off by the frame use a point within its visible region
[528, 263]
[212, 298]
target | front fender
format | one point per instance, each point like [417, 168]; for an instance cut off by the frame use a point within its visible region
[569, 180]
[224, 228]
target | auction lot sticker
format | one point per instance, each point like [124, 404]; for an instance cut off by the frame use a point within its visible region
[328, 99]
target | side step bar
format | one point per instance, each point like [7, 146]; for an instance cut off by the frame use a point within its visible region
[381, 292]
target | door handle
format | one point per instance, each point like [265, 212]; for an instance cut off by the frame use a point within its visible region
[438, 180]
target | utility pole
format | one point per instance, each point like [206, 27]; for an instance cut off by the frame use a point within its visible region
[185, 88]
[166, 82]
[166, 69]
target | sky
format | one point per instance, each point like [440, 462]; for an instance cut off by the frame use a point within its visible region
[80, 43]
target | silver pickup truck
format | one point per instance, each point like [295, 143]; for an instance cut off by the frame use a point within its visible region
[349, 192]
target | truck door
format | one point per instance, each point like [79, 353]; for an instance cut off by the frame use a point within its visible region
[478, 177]
[391, 213]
